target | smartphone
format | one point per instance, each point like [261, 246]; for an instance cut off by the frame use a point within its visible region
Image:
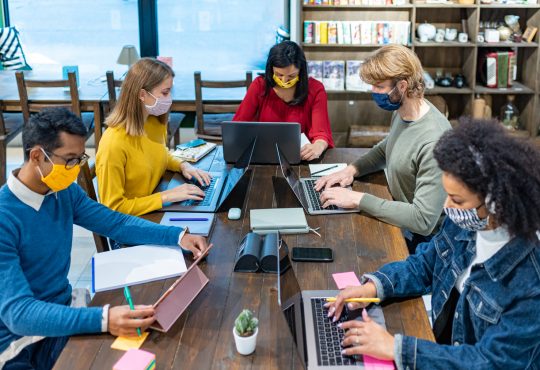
[191, 144]
[312, 254]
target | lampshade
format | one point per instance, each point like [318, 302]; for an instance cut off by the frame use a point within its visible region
[128, 55]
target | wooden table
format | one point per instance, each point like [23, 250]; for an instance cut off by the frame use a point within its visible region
[202, 338]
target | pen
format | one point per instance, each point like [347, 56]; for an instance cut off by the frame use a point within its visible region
[130, 302]
[187, 219]
[357, 300]
[324, 170]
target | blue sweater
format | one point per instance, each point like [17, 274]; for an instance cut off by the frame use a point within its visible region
[35, 255]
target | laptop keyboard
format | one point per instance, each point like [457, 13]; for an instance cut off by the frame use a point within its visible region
[208, 194]
[315, 196]
[329, 337]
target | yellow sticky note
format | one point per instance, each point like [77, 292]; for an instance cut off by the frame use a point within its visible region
[127, 343]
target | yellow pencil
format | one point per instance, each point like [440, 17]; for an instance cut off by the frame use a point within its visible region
[357, 300]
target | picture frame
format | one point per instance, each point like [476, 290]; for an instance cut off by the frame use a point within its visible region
[529, 33]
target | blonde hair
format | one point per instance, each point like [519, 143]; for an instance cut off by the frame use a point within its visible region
[396, 63]
[128, 112]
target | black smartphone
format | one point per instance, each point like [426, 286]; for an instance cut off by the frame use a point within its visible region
[312, 254]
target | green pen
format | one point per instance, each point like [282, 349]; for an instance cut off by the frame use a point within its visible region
[130, 302]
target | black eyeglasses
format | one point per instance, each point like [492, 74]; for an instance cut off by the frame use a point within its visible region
[72, 162]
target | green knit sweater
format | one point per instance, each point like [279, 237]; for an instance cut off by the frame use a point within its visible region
[413, 176]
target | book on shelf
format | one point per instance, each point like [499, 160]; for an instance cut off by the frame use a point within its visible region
[334, 74]
[315, 69]
[353, 81]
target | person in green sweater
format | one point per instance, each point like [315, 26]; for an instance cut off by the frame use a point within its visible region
[406, 154]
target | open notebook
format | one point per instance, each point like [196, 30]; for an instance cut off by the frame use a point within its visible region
[136, 265]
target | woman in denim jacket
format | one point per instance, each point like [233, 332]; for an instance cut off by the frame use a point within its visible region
[482, 268]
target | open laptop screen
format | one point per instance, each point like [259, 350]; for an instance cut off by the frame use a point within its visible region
[291, 177]
[290, 301]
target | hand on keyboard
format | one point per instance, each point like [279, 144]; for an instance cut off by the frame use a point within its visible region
[341, 197]
[343, 178]
[195, 175]
[182, 192]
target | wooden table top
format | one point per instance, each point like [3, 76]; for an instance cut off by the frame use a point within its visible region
[202, 337]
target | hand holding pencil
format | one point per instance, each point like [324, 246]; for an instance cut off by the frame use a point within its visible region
[355, 297]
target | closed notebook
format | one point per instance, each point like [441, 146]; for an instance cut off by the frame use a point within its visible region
[136, 265]
[202, 226]
[282, 220]
[136, 359]
[194, 154]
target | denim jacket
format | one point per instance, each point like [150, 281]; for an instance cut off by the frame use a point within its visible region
[496, 323]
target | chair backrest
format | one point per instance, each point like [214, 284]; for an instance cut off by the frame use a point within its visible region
[217, 107]
[86, 181]
[27, 106]
[112, 84]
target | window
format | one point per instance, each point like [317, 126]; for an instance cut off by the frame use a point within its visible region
[89, 34]
[218, 37]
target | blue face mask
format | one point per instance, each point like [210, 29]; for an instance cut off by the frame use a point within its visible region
[383, 101]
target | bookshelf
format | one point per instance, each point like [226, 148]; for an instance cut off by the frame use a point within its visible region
[356, 107]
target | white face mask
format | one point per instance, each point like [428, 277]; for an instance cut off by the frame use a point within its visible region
[160, 106]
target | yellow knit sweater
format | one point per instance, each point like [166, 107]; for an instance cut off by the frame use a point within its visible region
[129, 168]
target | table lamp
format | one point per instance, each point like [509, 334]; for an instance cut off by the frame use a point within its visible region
[128, 56]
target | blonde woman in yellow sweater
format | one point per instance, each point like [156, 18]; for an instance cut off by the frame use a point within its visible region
[132, 156]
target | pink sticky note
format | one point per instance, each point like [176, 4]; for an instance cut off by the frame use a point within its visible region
[135, 359]
[371, 363]
[344, 279]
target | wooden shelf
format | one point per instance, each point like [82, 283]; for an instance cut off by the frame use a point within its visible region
[507, 44]
[443, 5]
[510, 6]
[445, 44]
[449, 90]
[344, 46]
[349, 7]
[517, 88]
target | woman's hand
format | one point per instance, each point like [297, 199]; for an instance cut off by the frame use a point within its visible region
[341, 197]
[367, 290]
[189, 172]
[182, 192]
[345, 177]
[313, 151]
[367, 338]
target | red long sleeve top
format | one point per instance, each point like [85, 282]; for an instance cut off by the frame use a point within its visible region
[312, 115]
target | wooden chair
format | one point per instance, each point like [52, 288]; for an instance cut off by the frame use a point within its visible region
[175, 119]
[209, 126]
[86, 181]
[28, 106]
[11, 125]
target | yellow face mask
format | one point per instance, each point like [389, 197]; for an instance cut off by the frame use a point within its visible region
[286, 85]
[60, 177]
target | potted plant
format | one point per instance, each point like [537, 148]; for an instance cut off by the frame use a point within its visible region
[245, 332]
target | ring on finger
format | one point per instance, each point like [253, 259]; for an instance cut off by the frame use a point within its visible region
[357, 341]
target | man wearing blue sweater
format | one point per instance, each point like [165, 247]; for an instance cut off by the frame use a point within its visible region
[38, 207]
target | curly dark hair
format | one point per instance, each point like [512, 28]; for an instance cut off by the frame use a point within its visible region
[493, 164]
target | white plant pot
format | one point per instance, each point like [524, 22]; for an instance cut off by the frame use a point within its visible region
[245, 345]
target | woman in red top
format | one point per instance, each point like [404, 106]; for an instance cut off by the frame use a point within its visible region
[286, 94]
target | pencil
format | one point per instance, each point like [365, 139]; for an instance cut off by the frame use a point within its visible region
[324, 170]
[356, 300]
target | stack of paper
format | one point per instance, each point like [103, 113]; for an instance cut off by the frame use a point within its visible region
[136, 265]
[136, 359]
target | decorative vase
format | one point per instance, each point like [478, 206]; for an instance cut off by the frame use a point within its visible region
[245, 345]
[426, 30]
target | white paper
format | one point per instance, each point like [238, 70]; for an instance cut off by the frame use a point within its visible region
[136, 265]
[315, 168]
[304, 140]
[195, 227]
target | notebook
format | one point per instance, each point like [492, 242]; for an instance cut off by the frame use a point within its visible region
[136, 359]
[195, 227]
[136, 265]
[194, 154]
[282, 220]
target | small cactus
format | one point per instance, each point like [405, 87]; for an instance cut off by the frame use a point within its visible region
[245, 323]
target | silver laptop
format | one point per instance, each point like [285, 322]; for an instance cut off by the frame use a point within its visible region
[316, 337]
[215, 194]
[304, 189]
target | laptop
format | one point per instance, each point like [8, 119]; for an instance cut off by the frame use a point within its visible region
[316, 337]
[238, 135]
[221, 186]
[304, 190]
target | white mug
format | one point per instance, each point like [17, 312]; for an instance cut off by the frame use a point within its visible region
[463, 37]
[423, 38]
[439, 37]
[450, 34]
